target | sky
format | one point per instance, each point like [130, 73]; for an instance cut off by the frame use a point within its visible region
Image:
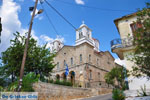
[16, 16]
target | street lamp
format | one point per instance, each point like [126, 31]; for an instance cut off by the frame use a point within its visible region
[40, 11]
[26, 45]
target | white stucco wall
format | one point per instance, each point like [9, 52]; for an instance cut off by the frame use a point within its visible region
[125, 31]
[124, 26]
[134, 83]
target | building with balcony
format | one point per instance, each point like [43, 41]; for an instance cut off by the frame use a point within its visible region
[123, 47]
[86, 63]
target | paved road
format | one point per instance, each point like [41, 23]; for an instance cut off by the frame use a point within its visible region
[101, 97]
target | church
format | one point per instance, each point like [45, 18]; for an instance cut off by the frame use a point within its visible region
[87, 65]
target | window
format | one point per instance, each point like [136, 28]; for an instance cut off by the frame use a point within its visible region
[90, 74]
[88, 35]
[80, 57]
[57, 65]
[135, 26]
[97, 61]
[64, 53]
[64, 62]
[89, 58]
[99, 76]
[71, 61]
[80, 35]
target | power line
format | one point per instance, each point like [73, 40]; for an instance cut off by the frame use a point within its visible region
[102, 9]
[61, 15]
[50, 21]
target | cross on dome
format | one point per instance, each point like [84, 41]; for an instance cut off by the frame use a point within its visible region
[83, 22]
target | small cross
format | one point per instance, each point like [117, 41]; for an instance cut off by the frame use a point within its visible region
[83, 22]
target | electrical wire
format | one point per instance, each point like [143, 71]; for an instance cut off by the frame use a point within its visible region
[50, 21]
[102, 9]
[60, 15]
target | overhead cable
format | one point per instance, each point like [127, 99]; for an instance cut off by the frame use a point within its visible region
[50, 21]
[91, 7]
[60, 15]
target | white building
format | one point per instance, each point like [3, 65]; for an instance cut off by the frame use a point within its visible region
[123, 47]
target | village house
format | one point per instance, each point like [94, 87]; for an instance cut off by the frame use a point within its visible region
[124, 47]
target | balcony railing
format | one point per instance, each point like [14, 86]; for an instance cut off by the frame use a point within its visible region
[121, 43]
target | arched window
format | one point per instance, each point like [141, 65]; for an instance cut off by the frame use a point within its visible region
[80, 35]
[99, 77]
[80, 57]
[71, 61]
[89, 58]
[90, 75]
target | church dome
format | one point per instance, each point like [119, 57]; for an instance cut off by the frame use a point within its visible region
[83, 24]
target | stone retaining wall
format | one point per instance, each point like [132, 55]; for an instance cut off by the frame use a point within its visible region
[47, 91]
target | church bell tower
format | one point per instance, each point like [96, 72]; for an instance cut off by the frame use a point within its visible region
[84, 34]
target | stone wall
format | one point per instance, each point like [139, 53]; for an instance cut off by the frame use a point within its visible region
[47, 91]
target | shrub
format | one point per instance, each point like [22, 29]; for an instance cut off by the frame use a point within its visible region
[51, 81]
[13, 86]
[1, 88]
[118, 95]
[65, 83]
[28, 80]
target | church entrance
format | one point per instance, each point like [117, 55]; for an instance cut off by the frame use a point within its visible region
[64, 77]
[81, 79]
[57, 77]
[72, 77]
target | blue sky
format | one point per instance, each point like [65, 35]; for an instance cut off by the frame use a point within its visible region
[16, 16]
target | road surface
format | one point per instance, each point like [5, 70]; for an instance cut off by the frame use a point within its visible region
[101, 97]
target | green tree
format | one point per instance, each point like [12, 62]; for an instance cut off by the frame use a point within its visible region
[141, 56]
[39, 59]
[116, 77]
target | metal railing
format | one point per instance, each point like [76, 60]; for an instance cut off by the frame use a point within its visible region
[121, 43]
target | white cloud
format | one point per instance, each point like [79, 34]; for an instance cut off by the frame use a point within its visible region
[120, 62]
[40, 18]
[10, 23]
[81, 2]
[46, 38]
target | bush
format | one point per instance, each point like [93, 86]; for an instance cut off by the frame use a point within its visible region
[51, 81]
[118, 95]
[13, 86]
[1, 88]
[28, 80]
[65, 83]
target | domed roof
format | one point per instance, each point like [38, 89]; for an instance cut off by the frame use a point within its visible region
[82, 24]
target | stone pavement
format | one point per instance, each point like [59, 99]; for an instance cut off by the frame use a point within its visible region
[100, 97]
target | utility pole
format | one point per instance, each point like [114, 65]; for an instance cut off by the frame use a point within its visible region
[0, 29]
[26, 48]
